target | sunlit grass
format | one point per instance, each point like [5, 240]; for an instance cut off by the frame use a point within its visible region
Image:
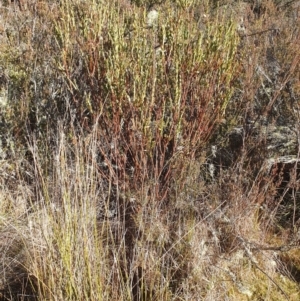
[110, 184]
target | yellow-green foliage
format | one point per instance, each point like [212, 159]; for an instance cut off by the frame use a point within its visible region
[164, 84]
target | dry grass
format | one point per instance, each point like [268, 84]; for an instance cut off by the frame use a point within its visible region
[134, 156]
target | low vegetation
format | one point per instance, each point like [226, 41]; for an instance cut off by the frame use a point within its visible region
[149, 155]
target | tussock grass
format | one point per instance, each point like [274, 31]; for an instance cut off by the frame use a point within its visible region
[134, 155]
